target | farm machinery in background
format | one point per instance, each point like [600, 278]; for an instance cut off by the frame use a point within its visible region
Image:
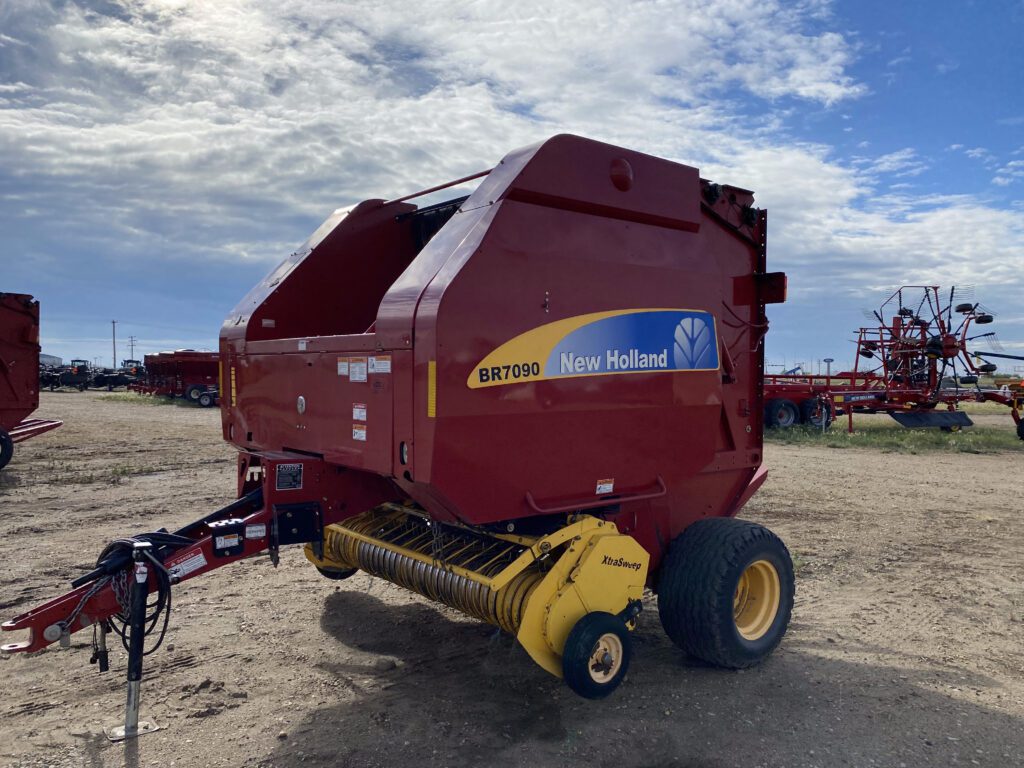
[129, 373]
[80, 375]
[918, 364]
[77, 375]
[193, 376]
[19, 373]
[528, 404]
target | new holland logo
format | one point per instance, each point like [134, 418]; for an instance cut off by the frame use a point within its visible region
[694, 348]
[620, 562]
[615, 342]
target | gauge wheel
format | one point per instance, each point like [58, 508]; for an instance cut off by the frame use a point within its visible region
[725, 592]
[596, 655]
[336, 574]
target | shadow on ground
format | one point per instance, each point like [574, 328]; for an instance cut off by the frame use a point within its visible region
[462, 695]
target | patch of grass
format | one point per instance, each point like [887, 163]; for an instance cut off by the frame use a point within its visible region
[996, 409]
[896, 439]
[799, 562]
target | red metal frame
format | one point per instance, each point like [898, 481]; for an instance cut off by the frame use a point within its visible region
[31, 427]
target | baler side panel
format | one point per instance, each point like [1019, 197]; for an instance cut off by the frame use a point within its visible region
[347, 419]
[19, 358]
[558, 436]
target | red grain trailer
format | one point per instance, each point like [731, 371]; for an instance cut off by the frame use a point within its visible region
[182, 373]
[529, 404]
[19, 373]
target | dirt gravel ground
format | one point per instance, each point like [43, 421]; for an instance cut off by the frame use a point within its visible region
[906, 647]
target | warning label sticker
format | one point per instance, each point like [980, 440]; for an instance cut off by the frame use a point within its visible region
[359, 432]
[256, 531]
[358, 411]
[228, 541]
[343, 366]
[605, 486]
[289, 477]
[357, 369]
[303, 344]
[380, 364]
[189, 565]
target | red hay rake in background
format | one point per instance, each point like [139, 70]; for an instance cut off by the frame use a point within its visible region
[917, 365]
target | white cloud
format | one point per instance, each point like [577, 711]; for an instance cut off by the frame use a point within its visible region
[1009, 173]
[903, 162]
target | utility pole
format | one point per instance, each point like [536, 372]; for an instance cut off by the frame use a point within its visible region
[131, 346]
[113, 327]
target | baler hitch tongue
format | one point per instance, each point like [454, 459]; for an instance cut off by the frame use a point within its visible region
[102, 596]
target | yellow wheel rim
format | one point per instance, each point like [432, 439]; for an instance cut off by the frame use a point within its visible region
[606, 658]
[756, 602]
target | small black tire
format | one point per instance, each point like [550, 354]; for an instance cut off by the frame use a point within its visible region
[952, 429]
[983, 319]
[6, 448]
[968, 379]
[810, 414]
[963, 309]
[336, 574]
[193, 392]
[988, 367]
[781, 413]
[596, 633]
[701, 583]
[205, 400]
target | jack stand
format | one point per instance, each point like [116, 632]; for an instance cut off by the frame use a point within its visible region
[132, 727]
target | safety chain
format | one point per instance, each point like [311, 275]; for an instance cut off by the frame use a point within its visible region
[119, 584]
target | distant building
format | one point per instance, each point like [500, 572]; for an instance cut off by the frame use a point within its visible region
[50, 360]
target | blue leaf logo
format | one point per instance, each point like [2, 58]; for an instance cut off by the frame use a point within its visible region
[693, 344]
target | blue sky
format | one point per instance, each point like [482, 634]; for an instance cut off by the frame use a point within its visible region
[157, 157]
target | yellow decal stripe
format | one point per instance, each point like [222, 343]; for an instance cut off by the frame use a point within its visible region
[432, 389]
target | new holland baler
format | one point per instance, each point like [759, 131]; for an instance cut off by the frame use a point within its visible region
[530, 404]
